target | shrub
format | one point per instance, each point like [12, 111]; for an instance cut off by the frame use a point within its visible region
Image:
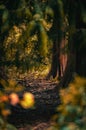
[9, 95]
[72, 111]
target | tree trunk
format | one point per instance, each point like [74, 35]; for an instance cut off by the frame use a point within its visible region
[69, 71]
[76, 62]
[3, 74]
[70, 65]
[80, 41]
[55, 65]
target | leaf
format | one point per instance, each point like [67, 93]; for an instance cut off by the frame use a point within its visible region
[83, 12]
[10, 127]
[31, 26]
[28, 13]
[43, 38]
[5, 16]
[5, 27]
[49, 11]
[65, 128]
[2, 7]
[1, 121]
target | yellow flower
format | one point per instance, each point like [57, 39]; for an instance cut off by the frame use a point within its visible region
[28, 100]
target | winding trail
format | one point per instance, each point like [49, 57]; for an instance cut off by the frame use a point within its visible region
[46, 100]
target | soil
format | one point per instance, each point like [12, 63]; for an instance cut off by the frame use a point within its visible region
[46, 95]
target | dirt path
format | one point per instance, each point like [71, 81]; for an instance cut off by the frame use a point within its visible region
[46, 101]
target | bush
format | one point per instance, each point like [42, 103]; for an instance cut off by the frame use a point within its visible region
[72, 111]
[9, 95]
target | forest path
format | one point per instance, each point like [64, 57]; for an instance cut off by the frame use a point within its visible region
[46, 100]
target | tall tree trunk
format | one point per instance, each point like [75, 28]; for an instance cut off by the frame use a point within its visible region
[55, 65]
[69, 71]
[2, 56]
[70, 66]
[80, 41]
[56, 33]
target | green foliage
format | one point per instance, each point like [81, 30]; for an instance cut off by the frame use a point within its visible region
[9, 95]
[43, 19]
[4, 19]
[37, 18]
[18, 43]
[8, 126]
[49, 11]
[5, 16]
[28, 32]
[43, 38]
[72, 113]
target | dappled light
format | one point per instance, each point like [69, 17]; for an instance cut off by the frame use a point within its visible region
[42, 65]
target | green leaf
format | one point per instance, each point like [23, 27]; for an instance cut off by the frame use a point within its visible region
[30, 28]
[28, 13]
[61, 119]
[83, 12]
[5, 16]
[2, 7]
[65, 128]
[49, 11]
[43, 38]
[1, 121]
[10, 127]
[5, 26]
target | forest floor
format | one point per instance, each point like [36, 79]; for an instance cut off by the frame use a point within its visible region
[46, 93]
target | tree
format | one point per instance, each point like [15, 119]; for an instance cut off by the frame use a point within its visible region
[75, 25]
[56, 32]
[47, 19]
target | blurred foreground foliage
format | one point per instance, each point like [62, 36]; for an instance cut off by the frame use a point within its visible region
[72, 110]
[12, 94]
